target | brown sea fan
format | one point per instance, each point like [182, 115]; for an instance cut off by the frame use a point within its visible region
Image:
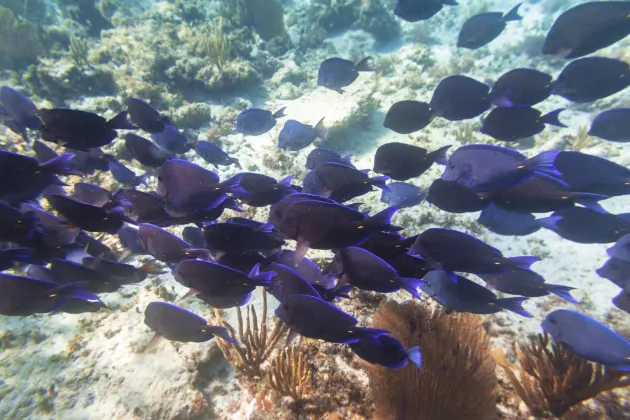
[457, 380]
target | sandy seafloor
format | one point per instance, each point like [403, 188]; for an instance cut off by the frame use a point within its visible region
[91, 366]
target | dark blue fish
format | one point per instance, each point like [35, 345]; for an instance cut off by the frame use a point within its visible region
[315, 318]
[588, 338]
[123, 273]
[16, 226]
[518, 281]
[464, 295]
[296, 136]
[177, 324]
[622, 300]
[593, 174]
[81, 130]
[460, 98]
[454, 198]
[91, 194]
[506, 223]
[288, 282]
[483, 167]
[336, 73]
[258, 190]
[22, 296]
[145, 151]
[213, 154]
[612, 125]
[194, 236]
[386, 351]
[66, 271]
[145, 116]
[406, 117]
[255, 121]
[235, 238]
[305, 268]
[89, 161]
[20, 111]
[52, 231]
[312, 184]
[125, 176]
[321, 154]
[517, 123]
[483, 28]
[521, 87]
[616, 270]
[591, 78]
[342, 183]
[88, 217]
[621, 249]
[11, 256]
[129, 240]
[163, 245]
[401, 161]
[172, 140]
[587, 226]
[29, 177]
[402, 194]
[415, 10]
[452, 251]
[588, 27]
[366, 271]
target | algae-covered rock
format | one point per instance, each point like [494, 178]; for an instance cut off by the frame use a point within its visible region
[19, 42]
[266, 17]
[191, 116]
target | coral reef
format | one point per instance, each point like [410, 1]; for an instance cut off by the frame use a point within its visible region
[290, 375]
[553, 379]
[20, 44]
[266, 17]
[215, 46]
[458, 372]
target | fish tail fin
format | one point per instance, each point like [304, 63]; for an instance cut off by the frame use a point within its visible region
[232, 204]
[286, 181]
[76, 291]
[320, 130]
[381, 221]
[513, 14]
[561, 291]
[262, 279]
[523, 262]
[380, 182]
[543, 164]
[120, 122]
[550, 222]
[235, 162]
[514, 304]
[414, 355]
[411, 285]
[233, 186]
[279, 113]
[60, 164]
[152, 267]
[439, 155]
[220, 332]
[552, 118]
[590, 200]
[364, 65]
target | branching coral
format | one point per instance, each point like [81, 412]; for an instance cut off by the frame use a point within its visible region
[256, 342]
[215, 46]
[79, 51]
[580, 140]
[458, 372]
[552, 378]
[290, 375]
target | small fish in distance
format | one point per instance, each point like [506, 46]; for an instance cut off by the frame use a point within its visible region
[145, 116]
[402, 161]
[612, 125]
[516, 123]
[121, 272]
[460, 98]
[81, 130]
[23, 296]
[591, 78]
[366, 271]
[255, 121]
[386, 351]
[521, 87]
[29, 177]
[517, 281]
[593, 174]
[296, 136]
[415, 10]
[145, 151]
[337, 73]
[177, 324]
[484, 167]
[213, 154]
[483, 28]
[587, 226]
[503, 222]
[315, 318]
[464, 295]
[406, 117]
[454, 198]
[164, 246]
[172, 140]
[588, 27]
[321, 154]
[452, 251]
[402, 195]
[588, 338]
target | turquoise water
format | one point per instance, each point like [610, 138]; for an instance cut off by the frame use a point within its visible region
[200, 64]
